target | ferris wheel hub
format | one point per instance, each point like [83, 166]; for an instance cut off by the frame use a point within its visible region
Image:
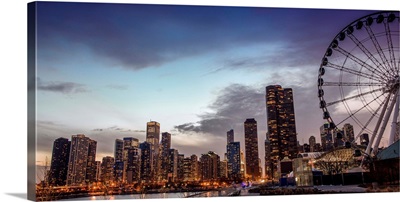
[393, 84]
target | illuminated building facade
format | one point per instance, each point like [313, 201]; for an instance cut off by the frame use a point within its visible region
[173, 165]
[326, 137]
[132, 168]
[91, 162]
[146, 162]
[165, 147]
[251, 149]
[210, 166]
[153, 137]
[119, 161]
[78, 157]
[107, 170]
[233, 160]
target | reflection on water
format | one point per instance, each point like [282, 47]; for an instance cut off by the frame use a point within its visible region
[151, 196]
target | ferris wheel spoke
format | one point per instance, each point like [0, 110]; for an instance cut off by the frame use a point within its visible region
[363, 49]
[364, 128]
[378, 48]
[390, 46]
[357, 60]
[385, 121]
[352, 84]
[353, 97]
[352, 115]
[354, 72]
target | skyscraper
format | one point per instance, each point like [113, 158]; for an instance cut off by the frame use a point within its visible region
[146, 162]
[312, 143]
[59, 162]
[165, 147]
[348, 132]
[251, 148]
[153, 137]
[210, 166]
[78, 160]
[223, 165]
[195, 167]
[281, 124]
[130, 144]
[180, 173]
[173, 165]
[230, 136]
[133, 161]
[187, 169]
[268, 161]
[107, 171]
[91, 162]
[233, 160]
[119, 161]
[326, 137]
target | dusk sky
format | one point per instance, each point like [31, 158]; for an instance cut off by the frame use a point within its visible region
[105, 70]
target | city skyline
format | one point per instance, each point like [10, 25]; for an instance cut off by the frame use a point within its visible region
[197, 79]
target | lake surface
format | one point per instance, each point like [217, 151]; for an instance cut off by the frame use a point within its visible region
[154, 196]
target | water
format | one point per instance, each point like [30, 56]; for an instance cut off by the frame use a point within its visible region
[154, 196]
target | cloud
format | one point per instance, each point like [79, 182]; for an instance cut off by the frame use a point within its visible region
[232, 106]
[140, 36]
[61, 87]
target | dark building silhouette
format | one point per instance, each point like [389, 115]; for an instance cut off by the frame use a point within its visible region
[268, 161]
[281, 124]
[312, 143]
[119, 162]
[91, 162]
[59, 162]
[146, 162]
[173, 165]
[180, 173]
[229, 136]
[165, 147]
[251, 149]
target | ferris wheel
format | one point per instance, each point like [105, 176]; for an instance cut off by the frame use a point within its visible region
[358, 79]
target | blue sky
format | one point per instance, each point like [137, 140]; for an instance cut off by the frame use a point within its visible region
[104, 70]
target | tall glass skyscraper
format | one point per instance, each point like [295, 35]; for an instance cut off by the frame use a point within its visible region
[153, 137]
[229, 136]
[146, 162]
[233, 156]
[78, 159]
[251, 149]
[281, 124]
[165, 147]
